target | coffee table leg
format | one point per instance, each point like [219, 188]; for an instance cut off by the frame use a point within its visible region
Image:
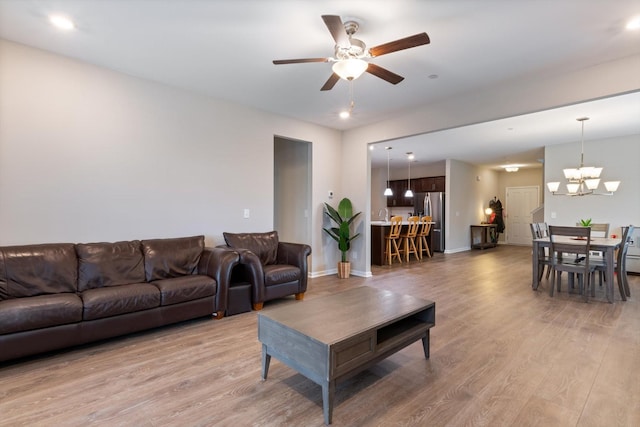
[328, 390]
[266, 359]
[425, 345]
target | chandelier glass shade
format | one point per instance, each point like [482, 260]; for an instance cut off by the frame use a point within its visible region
[350, 69]
[583, 180]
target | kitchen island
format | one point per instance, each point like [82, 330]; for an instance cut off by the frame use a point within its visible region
[379, 229]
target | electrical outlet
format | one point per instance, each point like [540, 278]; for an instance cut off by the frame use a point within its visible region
[246, 213]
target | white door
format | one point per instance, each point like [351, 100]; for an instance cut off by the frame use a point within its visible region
[521, 201]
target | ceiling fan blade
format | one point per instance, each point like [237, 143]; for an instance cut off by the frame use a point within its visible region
[299, 61]
[384, 74]
[331, 82]
[405, 43]
[336, 28]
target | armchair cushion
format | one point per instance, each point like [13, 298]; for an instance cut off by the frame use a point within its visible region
[279, 273]
[264, 245]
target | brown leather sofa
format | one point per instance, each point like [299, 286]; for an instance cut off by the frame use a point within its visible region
[274, 269]
[58, 295]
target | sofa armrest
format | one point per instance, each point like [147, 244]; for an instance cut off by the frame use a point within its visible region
[219, 263]
[295, 254]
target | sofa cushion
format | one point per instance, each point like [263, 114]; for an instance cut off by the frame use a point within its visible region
[264, 245]
[26, 314]
[185, 288]
[31, 270]
[109, 264]
[167, 258]
[280, 273]
[115, 300]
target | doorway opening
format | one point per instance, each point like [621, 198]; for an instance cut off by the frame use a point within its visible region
[292, 189]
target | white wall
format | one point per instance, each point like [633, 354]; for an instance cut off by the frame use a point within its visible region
[88, 154]
[469, 189]
[620, 158]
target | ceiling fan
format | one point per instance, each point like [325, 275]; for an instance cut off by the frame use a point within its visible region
[350, 53]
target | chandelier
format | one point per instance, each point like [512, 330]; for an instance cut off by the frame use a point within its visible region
[583, 180]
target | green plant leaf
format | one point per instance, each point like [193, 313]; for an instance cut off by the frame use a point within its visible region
[343, 217]
[345, 209]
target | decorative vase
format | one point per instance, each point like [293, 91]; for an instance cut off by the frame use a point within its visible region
[344, 270]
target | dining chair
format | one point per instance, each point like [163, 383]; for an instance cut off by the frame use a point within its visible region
[409, 238]
[543, 257]
[392, 239]
[598, 230]
[571, 240]
[620, 263]
[423, 235]
[601, 229]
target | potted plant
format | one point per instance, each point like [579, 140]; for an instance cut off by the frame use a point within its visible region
[342, 217]
[585, 222]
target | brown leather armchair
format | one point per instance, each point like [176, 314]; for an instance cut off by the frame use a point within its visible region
[274, 269]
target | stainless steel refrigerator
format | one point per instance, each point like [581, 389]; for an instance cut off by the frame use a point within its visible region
[432, 204]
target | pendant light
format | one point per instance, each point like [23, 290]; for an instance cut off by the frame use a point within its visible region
[388, 191]
[409, 193]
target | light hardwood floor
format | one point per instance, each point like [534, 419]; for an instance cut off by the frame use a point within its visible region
[501, 354]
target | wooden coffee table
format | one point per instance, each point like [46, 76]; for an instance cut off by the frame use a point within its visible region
[330, 338]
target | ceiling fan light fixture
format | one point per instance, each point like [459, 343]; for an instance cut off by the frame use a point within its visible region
[350, 69]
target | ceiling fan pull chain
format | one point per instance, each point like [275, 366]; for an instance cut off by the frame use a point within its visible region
[351, 103]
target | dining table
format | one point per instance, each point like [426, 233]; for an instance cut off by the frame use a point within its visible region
[606, 245]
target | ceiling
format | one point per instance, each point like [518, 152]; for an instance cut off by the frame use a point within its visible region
[224, 49]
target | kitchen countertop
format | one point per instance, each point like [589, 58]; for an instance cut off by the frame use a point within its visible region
[388, 223]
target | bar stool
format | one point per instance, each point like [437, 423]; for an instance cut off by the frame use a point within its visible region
[423, 234]
[409, 238]
[392, 239]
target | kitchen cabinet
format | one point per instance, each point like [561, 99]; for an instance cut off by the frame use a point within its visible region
[399, 187]
[434, 184]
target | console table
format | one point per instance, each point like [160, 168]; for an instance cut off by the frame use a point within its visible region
[484, 236]
[330, 338]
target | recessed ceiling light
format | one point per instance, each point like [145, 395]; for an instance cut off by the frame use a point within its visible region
[62, 22]
[344, 114]
[634, 23]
